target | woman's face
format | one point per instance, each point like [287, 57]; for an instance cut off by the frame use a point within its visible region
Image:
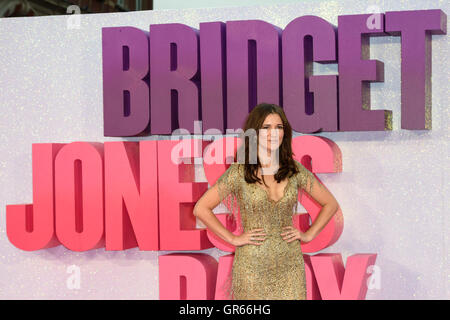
[271, 132]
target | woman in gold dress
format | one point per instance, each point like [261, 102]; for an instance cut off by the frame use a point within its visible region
[268, 261]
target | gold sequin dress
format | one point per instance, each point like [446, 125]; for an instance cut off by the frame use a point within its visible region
[275, 269]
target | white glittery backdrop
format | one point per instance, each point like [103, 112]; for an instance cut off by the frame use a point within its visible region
[391, 191]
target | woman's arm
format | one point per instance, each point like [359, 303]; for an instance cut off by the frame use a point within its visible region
[308, 182]
[203, 210]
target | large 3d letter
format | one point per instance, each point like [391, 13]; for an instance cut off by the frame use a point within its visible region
[224, 276]
[187, 276]
[126, 104]
[253, 68]
[416, 28]
[312, 289]
[310, 101]
[131, 195]
[174, 75]
[212, 59]
[178, 194]
[355, 74]
[338, 283]
[32, 226]
[79, 211]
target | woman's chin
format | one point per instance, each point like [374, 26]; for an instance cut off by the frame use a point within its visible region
[271, 148]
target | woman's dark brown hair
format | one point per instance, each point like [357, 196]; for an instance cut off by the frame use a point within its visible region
[255, 120]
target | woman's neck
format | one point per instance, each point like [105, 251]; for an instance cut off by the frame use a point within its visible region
[269, 167]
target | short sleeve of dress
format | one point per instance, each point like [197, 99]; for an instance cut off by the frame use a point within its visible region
[305, 178]
[227, 186]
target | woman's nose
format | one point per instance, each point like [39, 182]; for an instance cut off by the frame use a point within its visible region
[273, 133]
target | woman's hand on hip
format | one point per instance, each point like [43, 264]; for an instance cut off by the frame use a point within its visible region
[292, 234]
[255, 237]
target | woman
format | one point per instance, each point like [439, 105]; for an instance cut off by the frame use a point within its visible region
[268, 261]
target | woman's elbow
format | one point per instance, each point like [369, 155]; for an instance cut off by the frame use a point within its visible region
[198, 209]
[335, 206]
[202, 207]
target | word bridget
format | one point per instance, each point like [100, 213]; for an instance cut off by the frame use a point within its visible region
[168, 78]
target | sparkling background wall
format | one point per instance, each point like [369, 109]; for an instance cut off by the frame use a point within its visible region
[391, 191]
